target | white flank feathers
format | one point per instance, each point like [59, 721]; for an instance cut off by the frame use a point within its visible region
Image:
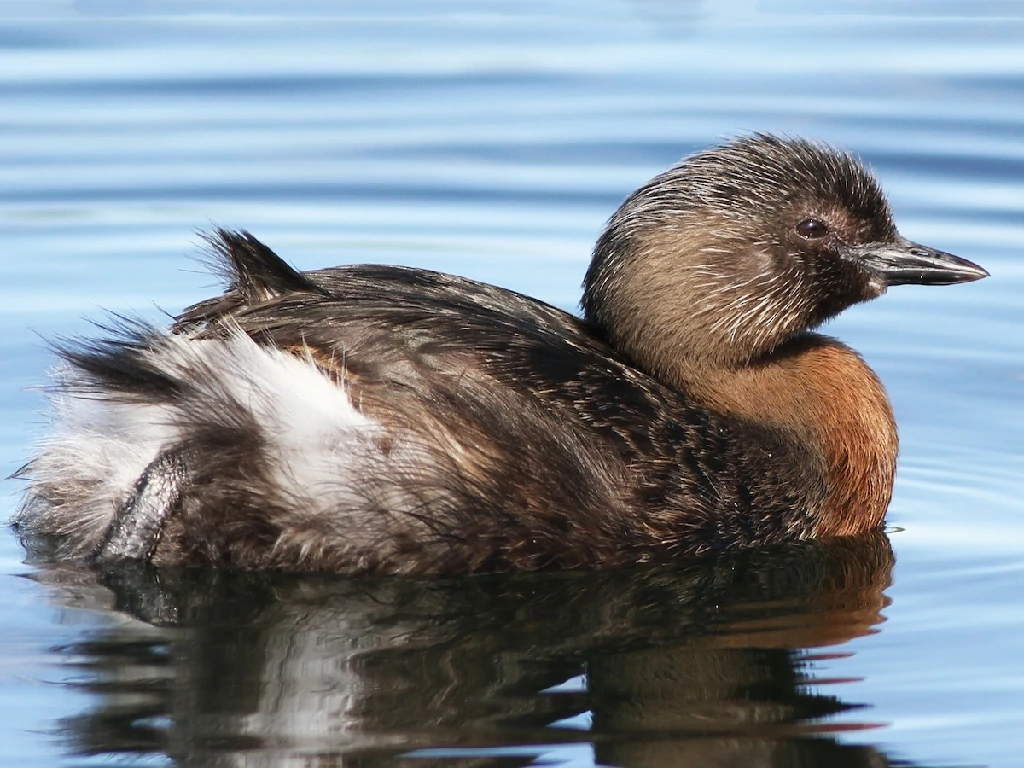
[314, 438]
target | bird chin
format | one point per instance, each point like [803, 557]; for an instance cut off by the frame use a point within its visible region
[877, 286]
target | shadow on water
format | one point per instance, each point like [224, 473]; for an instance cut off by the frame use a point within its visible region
[706, 663]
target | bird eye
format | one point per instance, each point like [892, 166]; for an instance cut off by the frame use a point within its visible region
[812, 229]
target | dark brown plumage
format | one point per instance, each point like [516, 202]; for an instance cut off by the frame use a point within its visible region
[385, 419]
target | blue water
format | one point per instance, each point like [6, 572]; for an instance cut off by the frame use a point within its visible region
[493, 139]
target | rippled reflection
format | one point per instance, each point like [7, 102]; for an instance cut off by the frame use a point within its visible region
[713, 663]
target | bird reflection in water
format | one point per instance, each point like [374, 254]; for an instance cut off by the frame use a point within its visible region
[709, 662]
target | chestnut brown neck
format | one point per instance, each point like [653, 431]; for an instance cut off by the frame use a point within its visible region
[822, 392]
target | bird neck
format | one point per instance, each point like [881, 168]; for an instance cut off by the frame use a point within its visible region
[823, 393]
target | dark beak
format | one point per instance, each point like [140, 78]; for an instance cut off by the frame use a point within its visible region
[902, 262]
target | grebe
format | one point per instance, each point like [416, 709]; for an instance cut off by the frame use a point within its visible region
[377, 419]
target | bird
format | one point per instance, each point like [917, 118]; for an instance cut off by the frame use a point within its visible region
[387, 420]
